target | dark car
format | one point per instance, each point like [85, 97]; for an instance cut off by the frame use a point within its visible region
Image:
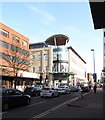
[33, 91]
[13, 98]
[74, 88]
[85, 88]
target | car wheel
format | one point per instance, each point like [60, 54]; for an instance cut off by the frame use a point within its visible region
[58, 94]
[27, 102]
[52, 95]
[36, 94]
[5, 106]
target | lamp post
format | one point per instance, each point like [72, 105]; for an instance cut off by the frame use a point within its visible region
[94, 74]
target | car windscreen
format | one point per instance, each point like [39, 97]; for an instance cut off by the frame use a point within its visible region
[46, 88]
[61, 87]
[36, 88]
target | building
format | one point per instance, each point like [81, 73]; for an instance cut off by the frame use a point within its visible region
[103, 48]
[56, 63]
[41, 61]
[98, 15]
[77, 66]
[60, 69]
[14, 52]
[90, 78]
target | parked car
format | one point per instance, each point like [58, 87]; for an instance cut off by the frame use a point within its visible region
[85, 88]
[33, 91]
[64, 89]
[49, 92]
[74, 88]
[13, 97]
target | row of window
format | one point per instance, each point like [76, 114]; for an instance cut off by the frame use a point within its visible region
[14, 37]
[40, 69]
[39, 56]
[13, 48]
[14, 59]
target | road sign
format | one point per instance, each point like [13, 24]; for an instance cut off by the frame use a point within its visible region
[94, 77]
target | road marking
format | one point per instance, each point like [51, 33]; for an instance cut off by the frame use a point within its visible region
[36, 103]
[54, 108]
[3, 112]
[28, 106]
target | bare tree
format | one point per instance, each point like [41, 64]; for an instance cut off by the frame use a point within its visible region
[16, 59]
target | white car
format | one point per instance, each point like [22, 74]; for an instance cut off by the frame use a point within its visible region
[64, 89]
[49, 92]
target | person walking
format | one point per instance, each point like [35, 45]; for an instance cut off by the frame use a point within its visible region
[95, 88]
[80, 94]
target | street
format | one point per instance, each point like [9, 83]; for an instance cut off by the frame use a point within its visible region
[58, 107]
[37, 106]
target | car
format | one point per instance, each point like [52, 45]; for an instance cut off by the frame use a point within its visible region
[33, 91]
[49, 92]
[13, 97]
[85, 88]
[74, 88]
[64, 89]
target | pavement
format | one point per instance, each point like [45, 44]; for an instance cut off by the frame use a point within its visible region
[92, 105]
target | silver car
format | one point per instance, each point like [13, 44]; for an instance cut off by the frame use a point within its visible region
[64, 89]
[49, 92]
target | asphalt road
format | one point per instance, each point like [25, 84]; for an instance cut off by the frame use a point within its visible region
[38, 105]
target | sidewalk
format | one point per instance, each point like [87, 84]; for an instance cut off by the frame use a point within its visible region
[91, 106]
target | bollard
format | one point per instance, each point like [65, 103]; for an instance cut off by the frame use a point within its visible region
[80, 95]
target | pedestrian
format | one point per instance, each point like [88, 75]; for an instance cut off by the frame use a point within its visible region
[89, 86]
[80, 94]
[95, 88]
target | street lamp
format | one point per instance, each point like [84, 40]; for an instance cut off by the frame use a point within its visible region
[94, 75]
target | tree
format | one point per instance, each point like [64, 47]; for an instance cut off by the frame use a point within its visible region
[16, 59]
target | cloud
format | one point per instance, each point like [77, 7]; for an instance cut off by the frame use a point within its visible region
[46, 17]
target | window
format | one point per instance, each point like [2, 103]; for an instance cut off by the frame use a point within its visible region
[40, 69]
[33, 56]
[33, 69]
[24, 43]
[4, 33]
[15, 38]
[47, 56]
[104, 34]
[39, 56]
[47, 68]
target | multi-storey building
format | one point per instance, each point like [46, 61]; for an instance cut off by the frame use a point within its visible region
[90, 78]
[41, 61]
[14, 51]
[103, 48]
[77, 66]
[56, 63]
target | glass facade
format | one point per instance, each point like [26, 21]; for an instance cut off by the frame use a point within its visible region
[61, 53]
[60, 59]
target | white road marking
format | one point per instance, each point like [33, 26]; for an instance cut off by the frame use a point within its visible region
[54, 108]
[36, 103]
[28, 106]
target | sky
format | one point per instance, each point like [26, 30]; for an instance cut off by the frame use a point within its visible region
[40, 20]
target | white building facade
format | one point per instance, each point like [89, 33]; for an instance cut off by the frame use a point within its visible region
[77, 66]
